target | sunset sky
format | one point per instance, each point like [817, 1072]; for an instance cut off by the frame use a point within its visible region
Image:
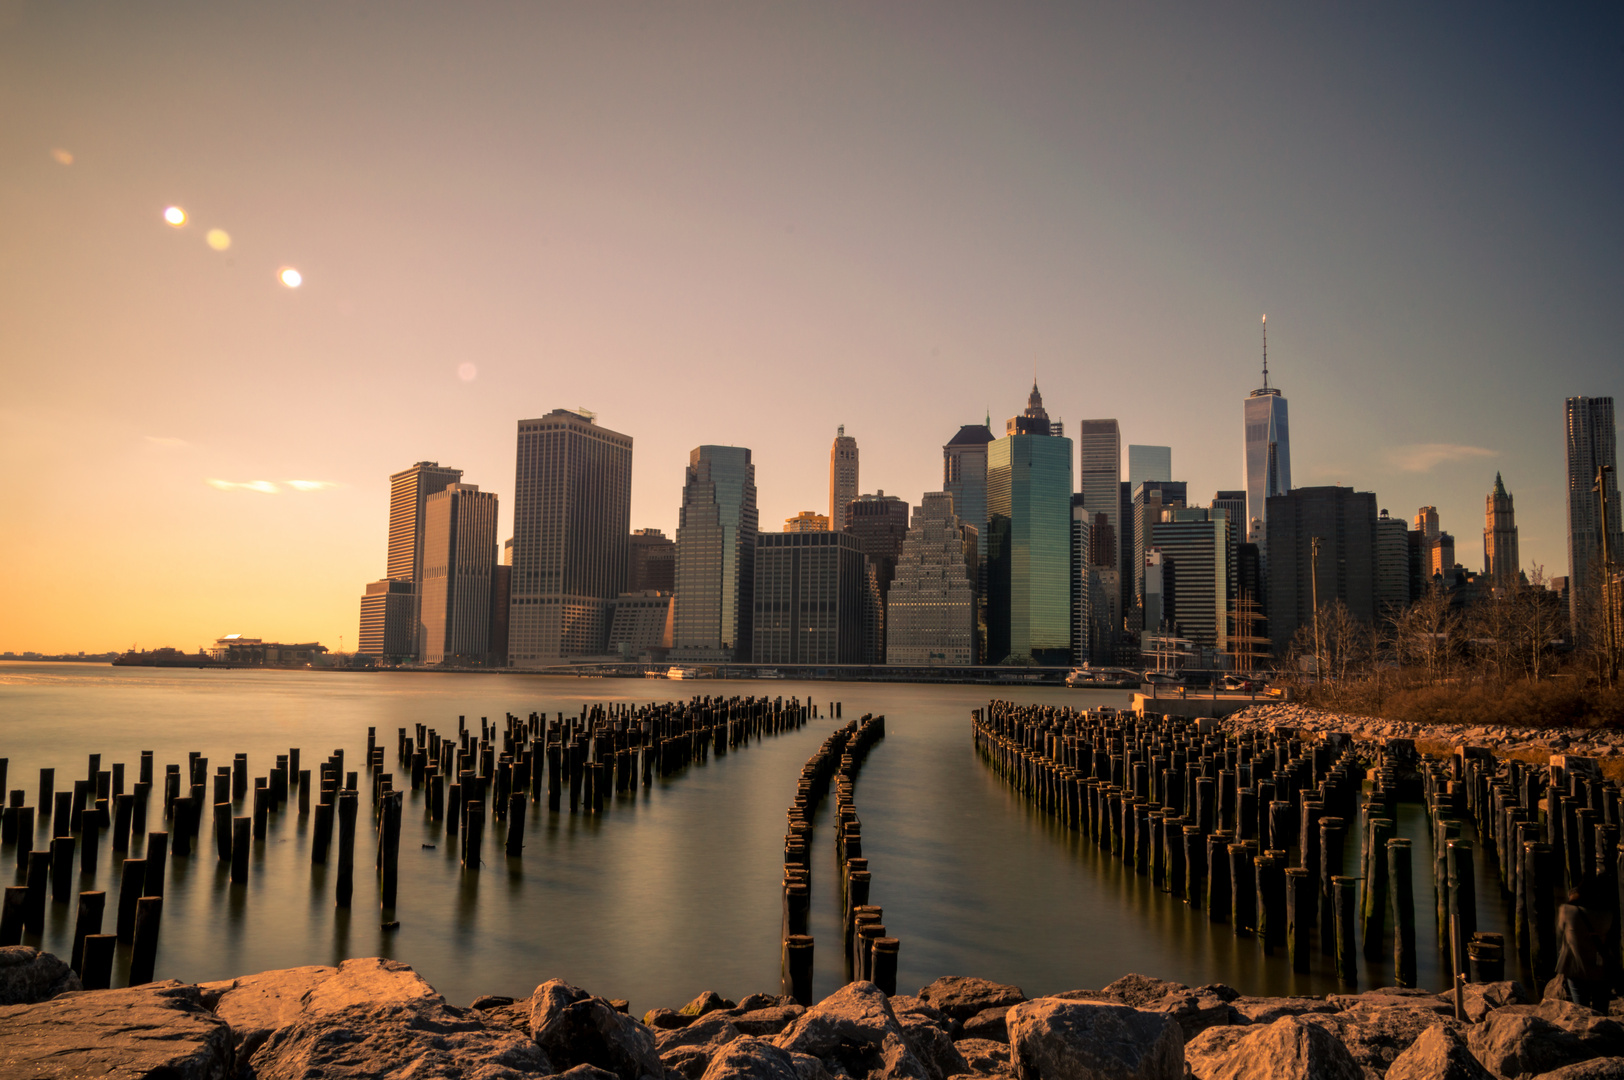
[747, 224]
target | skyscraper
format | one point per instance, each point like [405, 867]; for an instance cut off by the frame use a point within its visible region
[409, 490]
[964, 474]
[1084, 582]
[571, 518]
[1149, 463]
[842, 477]
[459, 555]
[1268, 451]
[1150, 498]
[930, 614]
[1344, 521]
[716, 549]
[1392, 565]
[1200, 545]
[1233, 503]
[813, 595]
[880, 523]
[651, 562]
[1592, 444]
[1500, 563]
[389, 621]
[1029, 488]
[806, 521]
[1099, 477]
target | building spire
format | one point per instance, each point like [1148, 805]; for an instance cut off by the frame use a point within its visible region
[1265, 352]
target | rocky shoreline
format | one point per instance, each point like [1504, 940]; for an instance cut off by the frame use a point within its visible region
[378, 1018]
[1586, 742]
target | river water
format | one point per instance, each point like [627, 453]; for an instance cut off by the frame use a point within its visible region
[674, 889]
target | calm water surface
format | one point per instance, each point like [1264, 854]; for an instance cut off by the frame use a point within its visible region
[675, 889]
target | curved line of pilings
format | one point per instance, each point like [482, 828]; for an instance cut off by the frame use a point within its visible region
[868, 952]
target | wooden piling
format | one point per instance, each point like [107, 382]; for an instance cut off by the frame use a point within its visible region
[515, 824]
[797, 968]
[1402, 903]
[61, 869]
[1302, 895]
[132, 880]
[157, 863]
[1345, 893]
[87, 921]
[98, 961]
[13, 915]
[39, 887]
[346, 847]
[149, 911]
[1373, 922]
[241, 847]
[389, 850]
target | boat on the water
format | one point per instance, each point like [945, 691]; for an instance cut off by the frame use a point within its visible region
[688, 673]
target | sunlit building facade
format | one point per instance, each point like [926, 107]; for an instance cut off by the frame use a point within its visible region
[1500, 537]
[459, 556]
[930, 614]
[1268, 453]
[843, 477]
[716, 548]
[1029, 489]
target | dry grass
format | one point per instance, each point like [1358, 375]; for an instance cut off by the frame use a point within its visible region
[1550, 703]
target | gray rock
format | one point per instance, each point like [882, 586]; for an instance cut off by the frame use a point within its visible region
[932, 1045]
[752, 1002]
[28, 975]
[1608, 1068]
[988, 1024]
[709, 1001]
[575, 1028]
[584, 1072]
[257, 1005]
[419, 1037]
[665, 1019]
[960, 997]
[689, 1050]
[808, 1067]
[159, 1029]
[1480, 999]
[1266, 1010]
[1202, 1053]
[752, 1059]
[1052, 1039]
[767, 1021]
[985, 1057]
[1195, 1010]
[1441, 1053]
[854, 1031]
[1514, 1042]
[490, 1001]
[1291, 1048]
[1375, 1035]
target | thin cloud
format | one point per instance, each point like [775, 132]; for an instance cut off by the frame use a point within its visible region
[1424, 457]
[264, 487]
[167, 441]
[310, 485]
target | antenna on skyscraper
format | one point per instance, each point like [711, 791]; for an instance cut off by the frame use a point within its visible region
[1265, 352]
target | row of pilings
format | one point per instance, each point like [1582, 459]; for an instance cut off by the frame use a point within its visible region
[1251, 828]
[868, 951]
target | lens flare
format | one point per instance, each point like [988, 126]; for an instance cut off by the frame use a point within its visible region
[218, 239]
[467, 372]
[175, 216]
[290, 277]
[63, 157]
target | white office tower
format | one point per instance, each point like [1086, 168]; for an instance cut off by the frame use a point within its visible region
[1268, 451]
[931, 611]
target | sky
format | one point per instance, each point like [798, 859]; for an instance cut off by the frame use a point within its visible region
[747, 224]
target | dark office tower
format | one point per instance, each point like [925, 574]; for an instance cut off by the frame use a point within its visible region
[813, 595]
[409, 490]
[459, 553]
[1150, 498]
[1146, 463]
[880, 524]
[1268, 450]
[1201, 547]
[1128, 552]
[1392, 565]
[716, 548]
[1029, 489]
[1083, 572]
[1099, 479]
[389, 621]
[571, 513]
[651, 562]
[842, 477]
[964, 474]
[501, 599]
[1233, 503]
[1344, 520]
[1592, 446]
[1500, 537]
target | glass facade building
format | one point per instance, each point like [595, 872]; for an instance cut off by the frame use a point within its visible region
[1029, 549]
[716, 547]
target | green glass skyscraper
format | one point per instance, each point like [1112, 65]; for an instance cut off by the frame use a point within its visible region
[1029, 551]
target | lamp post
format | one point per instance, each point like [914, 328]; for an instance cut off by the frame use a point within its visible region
[1314, 554]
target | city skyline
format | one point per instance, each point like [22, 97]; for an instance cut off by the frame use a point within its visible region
[1076, 191]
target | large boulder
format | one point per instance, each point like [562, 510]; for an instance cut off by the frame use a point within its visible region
[985, 1058]
[1441, 1053]
[931, 1044]
[1288, 1049]
[1513, 1042]
[709, 1001]
[1202, 1053]
[752, 1059]
[158, 1029]
[855, 1031]
[1194, 1010]
[1053, 1039]
[28, 975]
[960, 997]
[1375, 1034]
[688, 1050]
[420, 1037]
[988, 1024]
[1480, 999]
[576, 1028]
[767, 1021]
[1266, 1010]
[1608, 1068]
[257, 1005]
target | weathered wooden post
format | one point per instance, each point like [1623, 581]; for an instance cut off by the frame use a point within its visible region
[346, 847]
[61, 867]
[39, 888]
[241, 844]
[1374, 910]
[157, 862]
[13, 914]
[1301, 897]
[1345, 894]
[1401, 892]
[389, 850]
[149, 911]
[797, 980]
[884, 960]
[515, 824]
[131, 882]
[87, 921]
[98, 961]
[473, 834]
